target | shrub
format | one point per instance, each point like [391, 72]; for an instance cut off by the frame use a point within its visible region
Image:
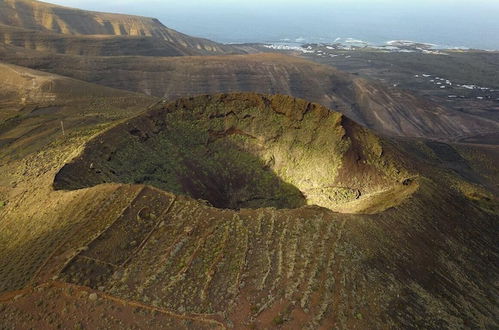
[278, 320]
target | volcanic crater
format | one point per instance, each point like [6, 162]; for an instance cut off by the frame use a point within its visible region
[246, 150]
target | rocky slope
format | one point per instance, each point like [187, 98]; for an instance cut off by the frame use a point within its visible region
[119, 209]
[34, 105]
[30, 87]
[108, 49]
[90, 45]
[246, 151]
[45, 17]
[386, 110]
[106, 242]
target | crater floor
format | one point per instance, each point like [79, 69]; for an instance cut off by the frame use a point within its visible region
[246, 151]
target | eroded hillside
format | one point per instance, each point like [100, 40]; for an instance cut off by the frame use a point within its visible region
[90, 45]
[243, 150]
[108, 244]
[142, 205]
[35, 106]
[45, 17]
[386, 110]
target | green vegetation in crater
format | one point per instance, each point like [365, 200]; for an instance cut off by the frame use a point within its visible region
[240, 151]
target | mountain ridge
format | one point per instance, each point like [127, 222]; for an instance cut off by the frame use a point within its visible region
[159, 64]
[41, 16]
[387, 110]
[127, 200]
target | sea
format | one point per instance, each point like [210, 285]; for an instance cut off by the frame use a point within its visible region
[444, 23]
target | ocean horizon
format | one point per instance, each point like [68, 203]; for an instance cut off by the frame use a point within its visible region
[445, 23]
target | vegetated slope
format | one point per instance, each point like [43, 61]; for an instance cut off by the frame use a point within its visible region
[386, 110]
[429, 261]
[67, 306]
[29, 87]
[40, 16]
[461, 67]
[93, 45]
[444, 77]
[243, 150]
[34, 105]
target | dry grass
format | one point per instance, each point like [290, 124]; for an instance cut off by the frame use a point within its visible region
[301, 268]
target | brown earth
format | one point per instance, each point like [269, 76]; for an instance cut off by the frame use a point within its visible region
[63, 305]
[140, 54]
[240, 210]
[35, 106]
[387, 111]
[45, 17]
[95, 45]
[427, 261]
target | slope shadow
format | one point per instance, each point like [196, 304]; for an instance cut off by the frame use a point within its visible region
[183, 160]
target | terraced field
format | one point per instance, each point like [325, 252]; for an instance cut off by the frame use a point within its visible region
[111, 246]
[148, 204]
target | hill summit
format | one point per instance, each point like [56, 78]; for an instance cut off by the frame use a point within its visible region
[45, 17]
